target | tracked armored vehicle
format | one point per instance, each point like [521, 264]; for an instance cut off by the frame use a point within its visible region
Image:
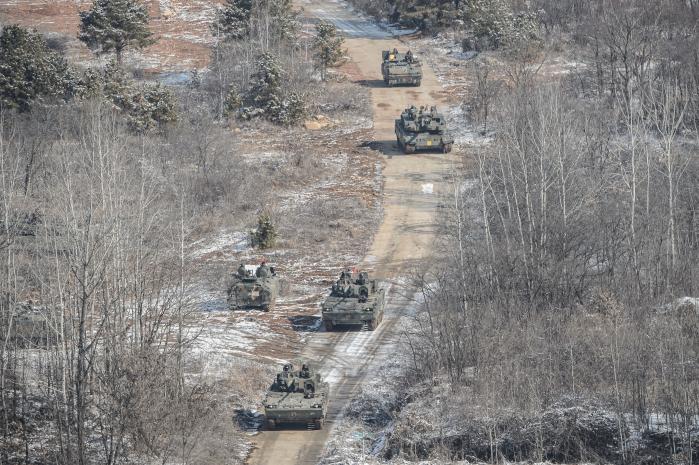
[354, 300]
[253, 286]
[30, 329]
[401, 68]
[422, 129]
[36, 327]
[297, 396]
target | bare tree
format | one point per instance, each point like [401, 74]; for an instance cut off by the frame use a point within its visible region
[487, 89]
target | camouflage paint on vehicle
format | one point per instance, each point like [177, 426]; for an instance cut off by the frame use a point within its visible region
[422, 129]
[297, 396]
[354, 300]
[253, 287]
[401, 68]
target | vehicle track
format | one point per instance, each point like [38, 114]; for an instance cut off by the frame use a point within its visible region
[404, 239]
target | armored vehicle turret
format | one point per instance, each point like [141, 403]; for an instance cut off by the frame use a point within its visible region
[354, 300]
[253, 286]
[419, 129]
[297, 396]
[400, 68]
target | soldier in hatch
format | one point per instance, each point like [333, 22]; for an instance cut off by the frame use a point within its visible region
[346, 277]
[281, 383]
[263, 271]
[363, 278]
[241, 270]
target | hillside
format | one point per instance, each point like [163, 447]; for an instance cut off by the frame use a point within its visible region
[539, 274]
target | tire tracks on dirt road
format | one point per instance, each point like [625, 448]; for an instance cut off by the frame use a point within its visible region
[403, 240]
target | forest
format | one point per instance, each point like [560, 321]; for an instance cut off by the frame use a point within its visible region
[565, 322]
[557, 321]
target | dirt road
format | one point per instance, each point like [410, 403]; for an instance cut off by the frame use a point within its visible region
[412, 187]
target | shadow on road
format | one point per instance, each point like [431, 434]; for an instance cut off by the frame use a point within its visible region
[386, 147]
[305, 322]
[346, 329]
[249, 420]
[391, 148]
[290, 427]
[371, 83]
[379, 83]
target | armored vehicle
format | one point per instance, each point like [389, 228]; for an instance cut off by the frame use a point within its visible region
[31, 327]
[354, 300]
[297, 396]
[253, 286]
[419, 129]
[400, 68]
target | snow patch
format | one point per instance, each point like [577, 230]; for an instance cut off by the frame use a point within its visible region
[686, 302]
[427, 188]
[680, 303]
[219, 340]
[226, 242]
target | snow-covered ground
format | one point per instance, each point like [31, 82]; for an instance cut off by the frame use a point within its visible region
[359, 437]
[306, 269]
[225, 242]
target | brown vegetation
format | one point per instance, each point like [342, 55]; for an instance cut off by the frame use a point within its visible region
[99, 315]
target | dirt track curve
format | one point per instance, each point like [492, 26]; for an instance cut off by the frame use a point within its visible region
[411, 196]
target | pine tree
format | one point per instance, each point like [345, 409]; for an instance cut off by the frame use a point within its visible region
[327, 46]
[267, 97]
[29, 70]
[116, 86]
[266, 88]
[285, 19]
[489, 19]
[233, 102]
[145, 108]
[233, 20]
[151, 107]
[495, 21]
[290, 111]
[422, 14]
[265, 236]
[115, 25]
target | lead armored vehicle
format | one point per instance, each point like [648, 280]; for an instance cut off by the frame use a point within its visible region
[400, 68]
[420, 129]
[253, 286]
[354, 300]
[297, 396]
